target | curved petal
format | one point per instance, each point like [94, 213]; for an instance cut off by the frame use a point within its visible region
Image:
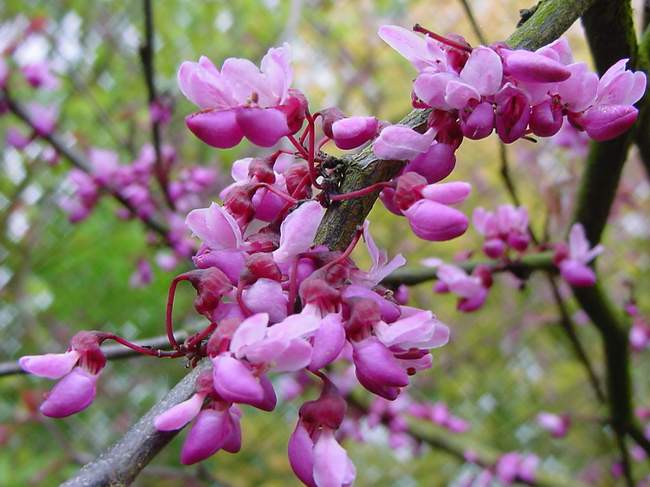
[218, 128]
[74, 393]
[262, 126]
[50, 365]
[215, 227]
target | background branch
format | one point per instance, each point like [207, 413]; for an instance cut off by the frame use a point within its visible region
[80, 162]
[147, 56]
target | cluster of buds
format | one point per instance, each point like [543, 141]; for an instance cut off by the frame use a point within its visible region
[474, 91]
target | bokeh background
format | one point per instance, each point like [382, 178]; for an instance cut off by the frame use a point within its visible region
[504, 363]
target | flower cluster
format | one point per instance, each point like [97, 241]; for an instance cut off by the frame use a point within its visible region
[474, 91]
[279, 302]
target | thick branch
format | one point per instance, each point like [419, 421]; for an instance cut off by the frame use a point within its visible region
[610, 32]
[80, 162]
[125, 459]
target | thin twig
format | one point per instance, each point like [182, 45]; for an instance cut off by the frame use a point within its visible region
[77, 160]
[472, 20]
[147, 57]
[112, 352]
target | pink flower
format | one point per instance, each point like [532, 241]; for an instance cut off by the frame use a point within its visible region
[78, 370]
[506, 227]
[143, 274]
[212, 431]
[42, 118]
[349, 133]
[556, 425]
[515, 466]
[315, 456]
[16, 139]
[242, 100]
[39, 75]
[423, 52]
[402, 143]
[215, 227]
[512, 113]
[434, 221]
[573, 260]
[471, 290]
[298, 231]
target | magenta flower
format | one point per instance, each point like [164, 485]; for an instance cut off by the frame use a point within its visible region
[402, 143]
[212, 431]
[352, 132]
[471, 290]
[78, 370]
[315, 456]
[505, 228]
[556, 425]
[43, 118]
[298, 230]
[573, 260]
[423, 52]
[514, 466]
[16, 139]
[242, 100]
[39, 75]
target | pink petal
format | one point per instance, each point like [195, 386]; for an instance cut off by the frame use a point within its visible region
[477, 122]
[459, 94]
[51, 365]
[328, 342]
[374, 361]
[431, 89]
[233, 441]
[532, 67]
[276, 66]
[447, 193]
[605, 122]
[249, 331]
[74, 393]
[401, 143]
[435, 164]
[179, 415]
[483, 70]
[577, 274]
[215, 227]
[301, 456]
[235, 382]
[262, 126]
[352, 132]
[207, 436]
[412, 46]
[298, 230]
[332, 467]
[436, 222]
[218, 128]
[267, 296]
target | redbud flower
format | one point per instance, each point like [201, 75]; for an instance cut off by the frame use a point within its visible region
[78, 370]
[242, 100]
[212, 431]
[471, 290]
[315, 456]
[349, 133]
[573, 261]
[16, 139]
[38, 75]
[298, 230]
[401, 143]
[556, 425]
